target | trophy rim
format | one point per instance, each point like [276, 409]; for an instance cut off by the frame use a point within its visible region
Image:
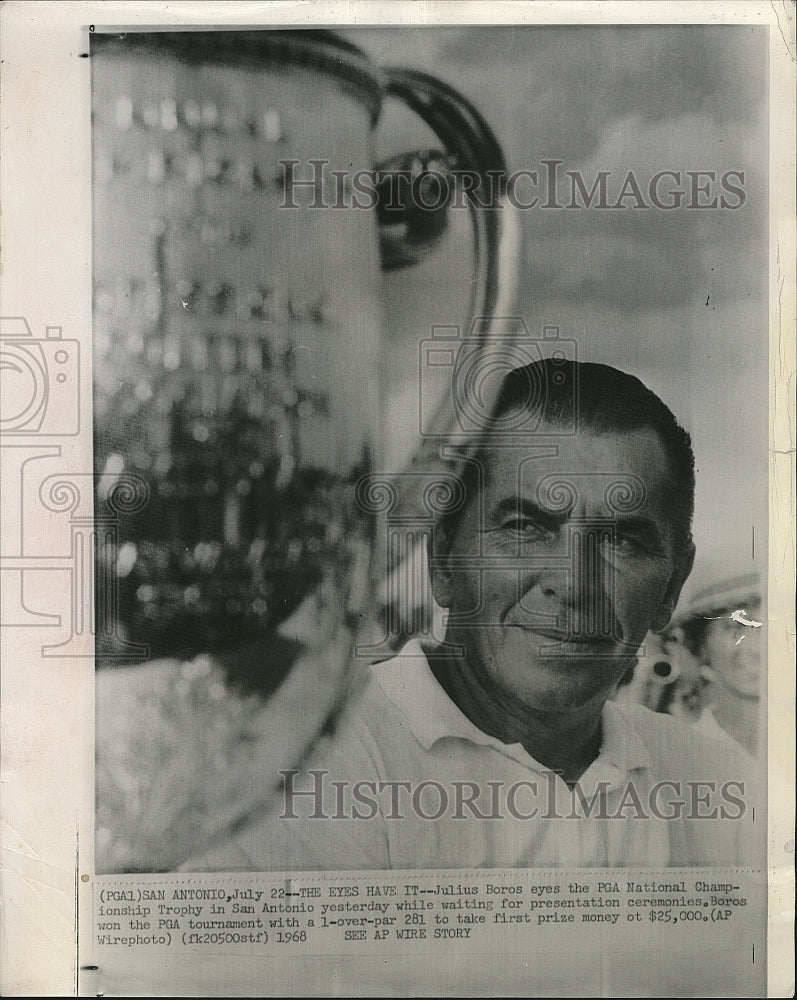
[260, 48]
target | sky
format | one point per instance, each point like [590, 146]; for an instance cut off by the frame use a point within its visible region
[678, 297]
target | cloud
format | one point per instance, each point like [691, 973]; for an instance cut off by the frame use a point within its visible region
[618, 98]
[648, 257]
[656, 71]
[557, 88]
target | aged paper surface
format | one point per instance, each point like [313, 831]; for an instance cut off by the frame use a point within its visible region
[648, 226]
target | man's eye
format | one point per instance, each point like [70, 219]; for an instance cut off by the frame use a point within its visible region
[524, 527]
[629, 544]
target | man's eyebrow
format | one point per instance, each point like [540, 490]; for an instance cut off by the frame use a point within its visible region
[644, 526]
[521, 506]
[516, 506]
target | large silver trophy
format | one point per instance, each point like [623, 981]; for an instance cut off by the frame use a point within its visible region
[242, 234]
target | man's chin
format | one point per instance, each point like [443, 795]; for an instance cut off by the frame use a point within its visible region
[544, 699]
[571, 679]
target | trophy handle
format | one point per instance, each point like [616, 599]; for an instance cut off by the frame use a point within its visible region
[470, 148]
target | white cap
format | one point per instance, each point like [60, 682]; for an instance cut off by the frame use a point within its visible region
[727, 595]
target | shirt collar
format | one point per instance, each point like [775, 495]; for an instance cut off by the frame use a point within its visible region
[430, 714]
[622, 745]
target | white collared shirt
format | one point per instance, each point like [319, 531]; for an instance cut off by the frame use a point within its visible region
[707, 725]
[408, 781]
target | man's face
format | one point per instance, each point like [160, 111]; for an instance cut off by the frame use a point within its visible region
[734, 652]
[561, 602]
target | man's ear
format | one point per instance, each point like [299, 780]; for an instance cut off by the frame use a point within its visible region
[683, 568]
[439, 569]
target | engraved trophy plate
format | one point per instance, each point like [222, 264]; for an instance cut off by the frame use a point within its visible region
[237, 382]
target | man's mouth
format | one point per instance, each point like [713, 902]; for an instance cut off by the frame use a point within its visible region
[582, 638]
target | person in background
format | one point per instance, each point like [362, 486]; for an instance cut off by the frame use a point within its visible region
[724, 631]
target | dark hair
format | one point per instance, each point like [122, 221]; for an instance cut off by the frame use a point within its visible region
[695, 631]
[575, 395]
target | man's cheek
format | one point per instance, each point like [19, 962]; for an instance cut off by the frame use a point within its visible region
[635, 610]
[500, 592]
[467, 595]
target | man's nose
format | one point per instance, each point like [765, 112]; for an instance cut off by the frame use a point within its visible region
[591, 580]
[576, 579]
